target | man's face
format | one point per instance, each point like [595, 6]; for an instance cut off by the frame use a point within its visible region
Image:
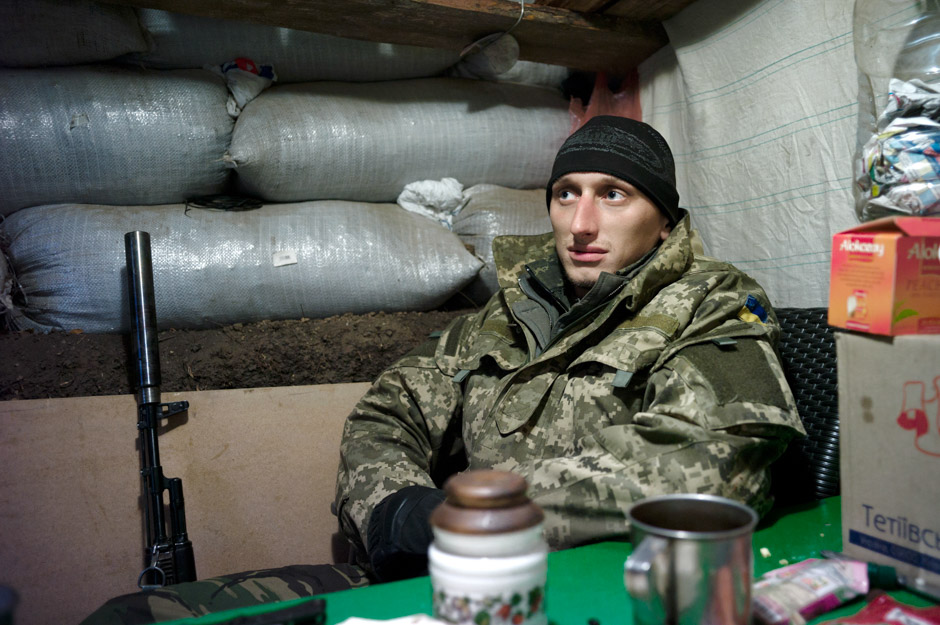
[601, 223]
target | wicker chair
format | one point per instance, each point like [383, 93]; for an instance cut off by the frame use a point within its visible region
[810, 467]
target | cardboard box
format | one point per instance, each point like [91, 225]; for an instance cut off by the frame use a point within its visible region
[886, 277]
[889, 412]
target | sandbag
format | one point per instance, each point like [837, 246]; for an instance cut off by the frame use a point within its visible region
[189, 41]
[366, 141]
[491, 211]
[533, 73]
[496, 57]
[6, 291]
[212, 267]
[110, 135]
[35, 33]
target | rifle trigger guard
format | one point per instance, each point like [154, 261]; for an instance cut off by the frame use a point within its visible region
[156, 569]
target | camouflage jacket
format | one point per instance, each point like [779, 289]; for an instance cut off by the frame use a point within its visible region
[672, 384]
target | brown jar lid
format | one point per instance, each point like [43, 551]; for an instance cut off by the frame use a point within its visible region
[486, 502]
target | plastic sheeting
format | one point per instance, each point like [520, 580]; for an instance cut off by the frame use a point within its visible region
[211, 268]
[491, 211]
[759, 101]
[367, 141]
[110, 135]
[188, 41]
[35, 33]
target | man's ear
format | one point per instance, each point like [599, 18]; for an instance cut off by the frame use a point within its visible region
[666, 229]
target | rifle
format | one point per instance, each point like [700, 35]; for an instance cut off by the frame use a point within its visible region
[169, 558]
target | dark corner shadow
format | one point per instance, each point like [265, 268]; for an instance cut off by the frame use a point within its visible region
[340, 548]
[781, 510]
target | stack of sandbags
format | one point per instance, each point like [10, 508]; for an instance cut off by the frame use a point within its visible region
[36, 33]
[211, 268]
[477, 216]
[89, 147]
[491, 211]
[77, 127]
[110, 135]
[367, 141]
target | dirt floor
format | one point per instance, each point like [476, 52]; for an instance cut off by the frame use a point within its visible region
[344, 348]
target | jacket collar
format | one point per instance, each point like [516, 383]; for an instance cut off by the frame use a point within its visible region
[513, 253]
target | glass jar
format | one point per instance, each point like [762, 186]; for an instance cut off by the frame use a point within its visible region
[488, 559]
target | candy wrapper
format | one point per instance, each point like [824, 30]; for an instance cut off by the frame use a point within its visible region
[245, 80]
[900, 165]
[883, 610]
[793, 594]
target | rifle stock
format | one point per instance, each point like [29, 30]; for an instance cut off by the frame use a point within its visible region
[169, 556]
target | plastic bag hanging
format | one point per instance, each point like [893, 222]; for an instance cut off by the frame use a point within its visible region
[624, 102]
[897, 164]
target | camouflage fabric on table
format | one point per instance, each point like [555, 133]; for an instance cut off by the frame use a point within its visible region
[239, 590]
[669, 382]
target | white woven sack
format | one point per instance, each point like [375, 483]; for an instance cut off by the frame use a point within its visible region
[110, 135]
[312, 259]
[188, 41]
[367, 141]
[35, 33]
[496, 57]
[532, 73]
[492, 211]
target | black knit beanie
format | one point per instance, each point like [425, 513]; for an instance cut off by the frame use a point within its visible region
[627, 149]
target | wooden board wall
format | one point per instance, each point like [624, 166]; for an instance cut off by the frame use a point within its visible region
[258, 469]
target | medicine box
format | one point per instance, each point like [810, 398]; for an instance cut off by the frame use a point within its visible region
[885, 277]
[889, 450]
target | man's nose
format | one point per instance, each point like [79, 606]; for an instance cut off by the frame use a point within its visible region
[584, 221]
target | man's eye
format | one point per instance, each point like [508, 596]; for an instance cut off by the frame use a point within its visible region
[614, 194]
[565, 194]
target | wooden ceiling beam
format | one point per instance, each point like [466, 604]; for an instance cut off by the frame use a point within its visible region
[581, 6]
[592, 42]
[658, 10]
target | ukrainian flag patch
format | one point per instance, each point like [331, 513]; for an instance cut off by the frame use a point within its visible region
[752, 311]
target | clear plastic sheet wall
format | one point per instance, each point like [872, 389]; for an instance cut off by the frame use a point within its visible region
[897, 161]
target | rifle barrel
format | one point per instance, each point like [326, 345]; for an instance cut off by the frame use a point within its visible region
[144, 313]
[171, 558]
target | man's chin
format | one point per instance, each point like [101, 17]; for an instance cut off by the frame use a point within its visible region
[581, 281]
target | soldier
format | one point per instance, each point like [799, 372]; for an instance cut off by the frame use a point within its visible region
[613, 364]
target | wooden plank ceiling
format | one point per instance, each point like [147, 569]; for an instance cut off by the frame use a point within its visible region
[594, 35]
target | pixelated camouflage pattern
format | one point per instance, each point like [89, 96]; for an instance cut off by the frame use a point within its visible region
[617, 408]
[240, 590]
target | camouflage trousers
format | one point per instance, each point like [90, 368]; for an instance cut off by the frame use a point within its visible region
[228, 592]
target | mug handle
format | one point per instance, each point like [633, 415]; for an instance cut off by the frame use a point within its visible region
[637, 568]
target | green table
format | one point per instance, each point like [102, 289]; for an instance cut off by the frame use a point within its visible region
[587, 582]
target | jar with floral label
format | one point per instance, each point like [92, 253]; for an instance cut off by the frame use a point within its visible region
[488, 560]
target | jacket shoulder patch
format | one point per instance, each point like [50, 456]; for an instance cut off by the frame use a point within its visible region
[737, 373]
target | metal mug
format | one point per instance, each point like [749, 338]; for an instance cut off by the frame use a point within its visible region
[692, 561]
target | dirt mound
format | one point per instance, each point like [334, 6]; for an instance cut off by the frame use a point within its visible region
[343, 348]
